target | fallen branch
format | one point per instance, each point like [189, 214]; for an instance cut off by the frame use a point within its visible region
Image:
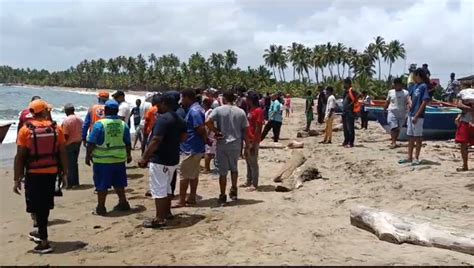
[304, 134]
[297, 159]
[295, 145]
[398, 230]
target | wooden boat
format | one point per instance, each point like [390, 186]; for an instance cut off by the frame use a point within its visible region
[3, 131]
[438, 124]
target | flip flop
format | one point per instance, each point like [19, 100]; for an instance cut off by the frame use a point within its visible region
[151, 223]
[416, 162]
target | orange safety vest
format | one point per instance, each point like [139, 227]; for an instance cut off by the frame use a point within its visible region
[43, 151]
[357, 105]
[97, 113]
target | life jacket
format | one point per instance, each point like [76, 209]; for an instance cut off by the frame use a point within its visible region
[357, 105]
[43, 151]
[97, 113]
[112, 150]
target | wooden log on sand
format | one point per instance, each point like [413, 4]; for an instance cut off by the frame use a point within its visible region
[297, 159]
[395, 229]
[304, 134]
[295, 145]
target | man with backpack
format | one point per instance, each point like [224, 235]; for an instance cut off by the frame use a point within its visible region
[40, 153]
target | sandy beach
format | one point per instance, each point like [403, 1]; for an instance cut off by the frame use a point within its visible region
[307, 226]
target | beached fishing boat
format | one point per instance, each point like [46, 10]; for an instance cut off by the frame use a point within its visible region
[3, 131]
[438, 125]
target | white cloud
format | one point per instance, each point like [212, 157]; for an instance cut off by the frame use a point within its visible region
[58, 34]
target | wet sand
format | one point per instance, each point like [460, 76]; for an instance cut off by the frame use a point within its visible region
[307, 226]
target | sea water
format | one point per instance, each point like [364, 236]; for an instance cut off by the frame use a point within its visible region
[13, 100]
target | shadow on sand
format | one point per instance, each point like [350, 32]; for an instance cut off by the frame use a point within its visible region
[212, 203]
[134, 176]
[133, 210]
[61, 247]
[57, 222]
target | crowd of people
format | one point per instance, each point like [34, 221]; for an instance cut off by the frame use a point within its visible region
[176, 130]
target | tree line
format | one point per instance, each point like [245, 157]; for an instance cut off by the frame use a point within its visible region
[329, 63]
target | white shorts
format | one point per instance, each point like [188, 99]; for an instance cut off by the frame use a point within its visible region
[160, 179]
[415, 130]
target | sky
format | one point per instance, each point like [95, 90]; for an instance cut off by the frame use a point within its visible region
[57, 34]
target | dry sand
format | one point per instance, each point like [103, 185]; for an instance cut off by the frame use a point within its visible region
[307, 226]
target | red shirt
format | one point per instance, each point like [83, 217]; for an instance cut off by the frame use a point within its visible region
[25, 116]
[256, 118]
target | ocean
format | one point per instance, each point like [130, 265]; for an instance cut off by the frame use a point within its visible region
[14, 99]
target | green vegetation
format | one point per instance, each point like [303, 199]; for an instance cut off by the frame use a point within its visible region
[327, 63]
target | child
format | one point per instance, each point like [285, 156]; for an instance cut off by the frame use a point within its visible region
[465, 123]
[288, 105]
[364, 114]
[211, 141]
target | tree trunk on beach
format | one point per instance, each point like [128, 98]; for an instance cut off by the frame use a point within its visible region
[398, 230]
[283, 176]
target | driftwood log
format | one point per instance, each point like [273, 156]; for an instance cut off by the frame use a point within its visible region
[295, 145]
[396, 229]
[285, 174]
[304, 134]
[306, 172]
[272, 145]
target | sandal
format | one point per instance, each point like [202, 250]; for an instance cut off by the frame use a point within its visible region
[461, 169]
[251, 189]
[244, 185]
[153, 224]
[405, 161]
[416, 162]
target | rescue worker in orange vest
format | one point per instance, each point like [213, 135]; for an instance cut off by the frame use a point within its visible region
[350, 109]
[95, 113]
[40, 152]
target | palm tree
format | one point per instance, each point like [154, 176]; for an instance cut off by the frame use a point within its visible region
[330, 57]
[230, 59]
[281, 62]
[379, 49]
[394, 51]
[271, 58]
[292, 53]
[339, 55]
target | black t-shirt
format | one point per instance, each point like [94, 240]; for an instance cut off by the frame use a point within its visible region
[170, 126]
[347, 104]
[136, 116]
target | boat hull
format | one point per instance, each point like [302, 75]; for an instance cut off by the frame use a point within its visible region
[4, 131]
[438, 123]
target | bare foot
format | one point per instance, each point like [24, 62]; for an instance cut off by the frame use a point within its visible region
[251, 189]
[191, 201]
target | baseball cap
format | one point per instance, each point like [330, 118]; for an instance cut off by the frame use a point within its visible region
[103, 94]
[37, 106]
[112, 104]
[118, 93]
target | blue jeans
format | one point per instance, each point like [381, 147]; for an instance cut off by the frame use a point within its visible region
[73, 150]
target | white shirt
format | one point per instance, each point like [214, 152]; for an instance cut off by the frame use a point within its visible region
[144, 107]
[124, 111]
[398, 100]
[467, 97]
[331, 105]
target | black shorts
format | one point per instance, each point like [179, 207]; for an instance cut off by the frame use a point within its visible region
[39, 191]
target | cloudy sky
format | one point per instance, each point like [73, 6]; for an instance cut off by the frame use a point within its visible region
[57, 34]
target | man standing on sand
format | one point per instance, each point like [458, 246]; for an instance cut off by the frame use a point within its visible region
[124, 109]
[40, 152]
[255, 119]
[329, 115]
[350, 108]
[72, 127]
[275, 118]
[109, 147]
[230, 131]
[452, 90]
[136, 123]
[309, 109]
[465, 131]
[397, 105]
[25, 115]
[192, 150]
[162, 155]
[94, 114]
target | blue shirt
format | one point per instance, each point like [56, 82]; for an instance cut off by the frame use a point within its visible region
[97, 134]
[418, 94]
[275, 113]
[194, 143]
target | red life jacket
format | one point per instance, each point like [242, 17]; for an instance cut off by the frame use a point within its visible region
[44, 148]
[97, 113]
